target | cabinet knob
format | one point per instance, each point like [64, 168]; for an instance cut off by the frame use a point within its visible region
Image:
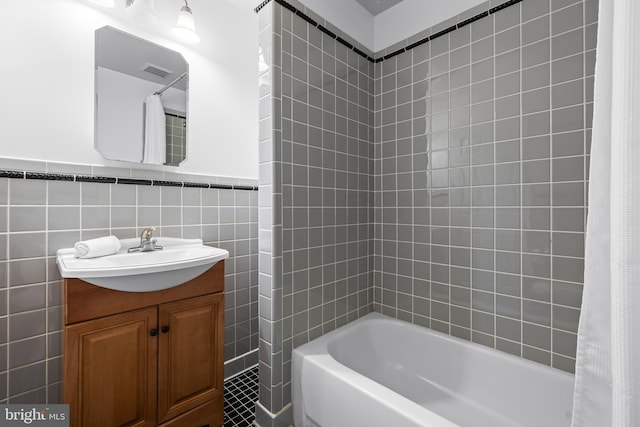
[153, 332]
[165, 329]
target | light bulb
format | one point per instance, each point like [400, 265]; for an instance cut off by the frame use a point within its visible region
[185, 28]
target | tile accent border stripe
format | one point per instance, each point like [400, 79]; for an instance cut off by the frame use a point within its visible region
[112, 180]
[46, 176]
[261, 5]
[135, 181]
[12, 174]
[99, 179]
[427, 39]
[322, 28]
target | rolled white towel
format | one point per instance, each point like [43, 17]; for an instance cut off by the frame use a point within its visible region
[94, 248]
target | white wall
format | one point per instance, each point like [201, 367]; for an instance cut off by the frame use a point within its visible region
[48, 82]
[409, 17]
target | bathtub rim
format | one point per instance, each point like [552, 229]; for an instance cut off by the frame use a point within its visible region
[317, 352]
[323, 340]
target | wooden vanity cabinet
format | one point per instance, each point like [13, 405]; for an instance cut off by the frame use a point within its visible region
[145, 359]
[188, 366]
[110, 370]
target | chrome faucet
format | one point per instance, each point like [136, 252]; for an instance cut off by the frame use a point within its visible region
[147, 242]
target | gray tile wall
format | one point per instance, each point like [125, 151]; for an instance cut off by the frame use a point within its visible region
[315, 206]
[463, 212]
[481, 156]
[269, 221]
[176, 131]
[38, 217]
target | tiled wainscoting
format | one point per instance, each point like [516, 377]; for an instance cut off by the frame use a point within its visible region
[39, 216]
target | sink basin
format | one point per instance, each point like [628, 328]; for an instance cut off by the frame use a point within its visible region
[180, 261]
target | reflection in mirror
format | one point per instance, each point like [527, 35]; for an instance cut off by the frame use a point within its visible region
[141, 100]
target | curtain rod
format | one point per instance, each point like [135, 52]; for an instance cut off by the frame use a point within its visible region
[159, 92]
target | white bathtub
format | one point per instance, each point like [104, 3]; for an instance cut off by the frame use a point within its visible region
[378, 371]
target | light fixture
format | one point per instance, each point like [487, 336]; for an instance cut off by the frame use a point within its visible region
[104, 3]
[142, 11]
[185, 28]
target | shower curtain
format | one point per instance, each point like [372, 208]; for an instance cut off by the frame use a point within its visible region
[607, 385]
[155, 137]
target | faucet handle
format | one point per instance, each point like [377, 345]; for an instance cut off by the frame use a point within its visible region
[147, 233]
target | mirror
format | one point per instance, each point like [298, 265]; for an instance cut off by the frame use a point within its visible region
[141, 92]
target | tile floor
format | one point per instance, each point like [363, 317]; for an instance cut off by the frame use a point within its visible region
[240, 395]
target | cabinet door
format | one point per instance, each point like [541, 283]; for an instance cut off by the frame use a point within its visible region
[190, 362]
[111, 373]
